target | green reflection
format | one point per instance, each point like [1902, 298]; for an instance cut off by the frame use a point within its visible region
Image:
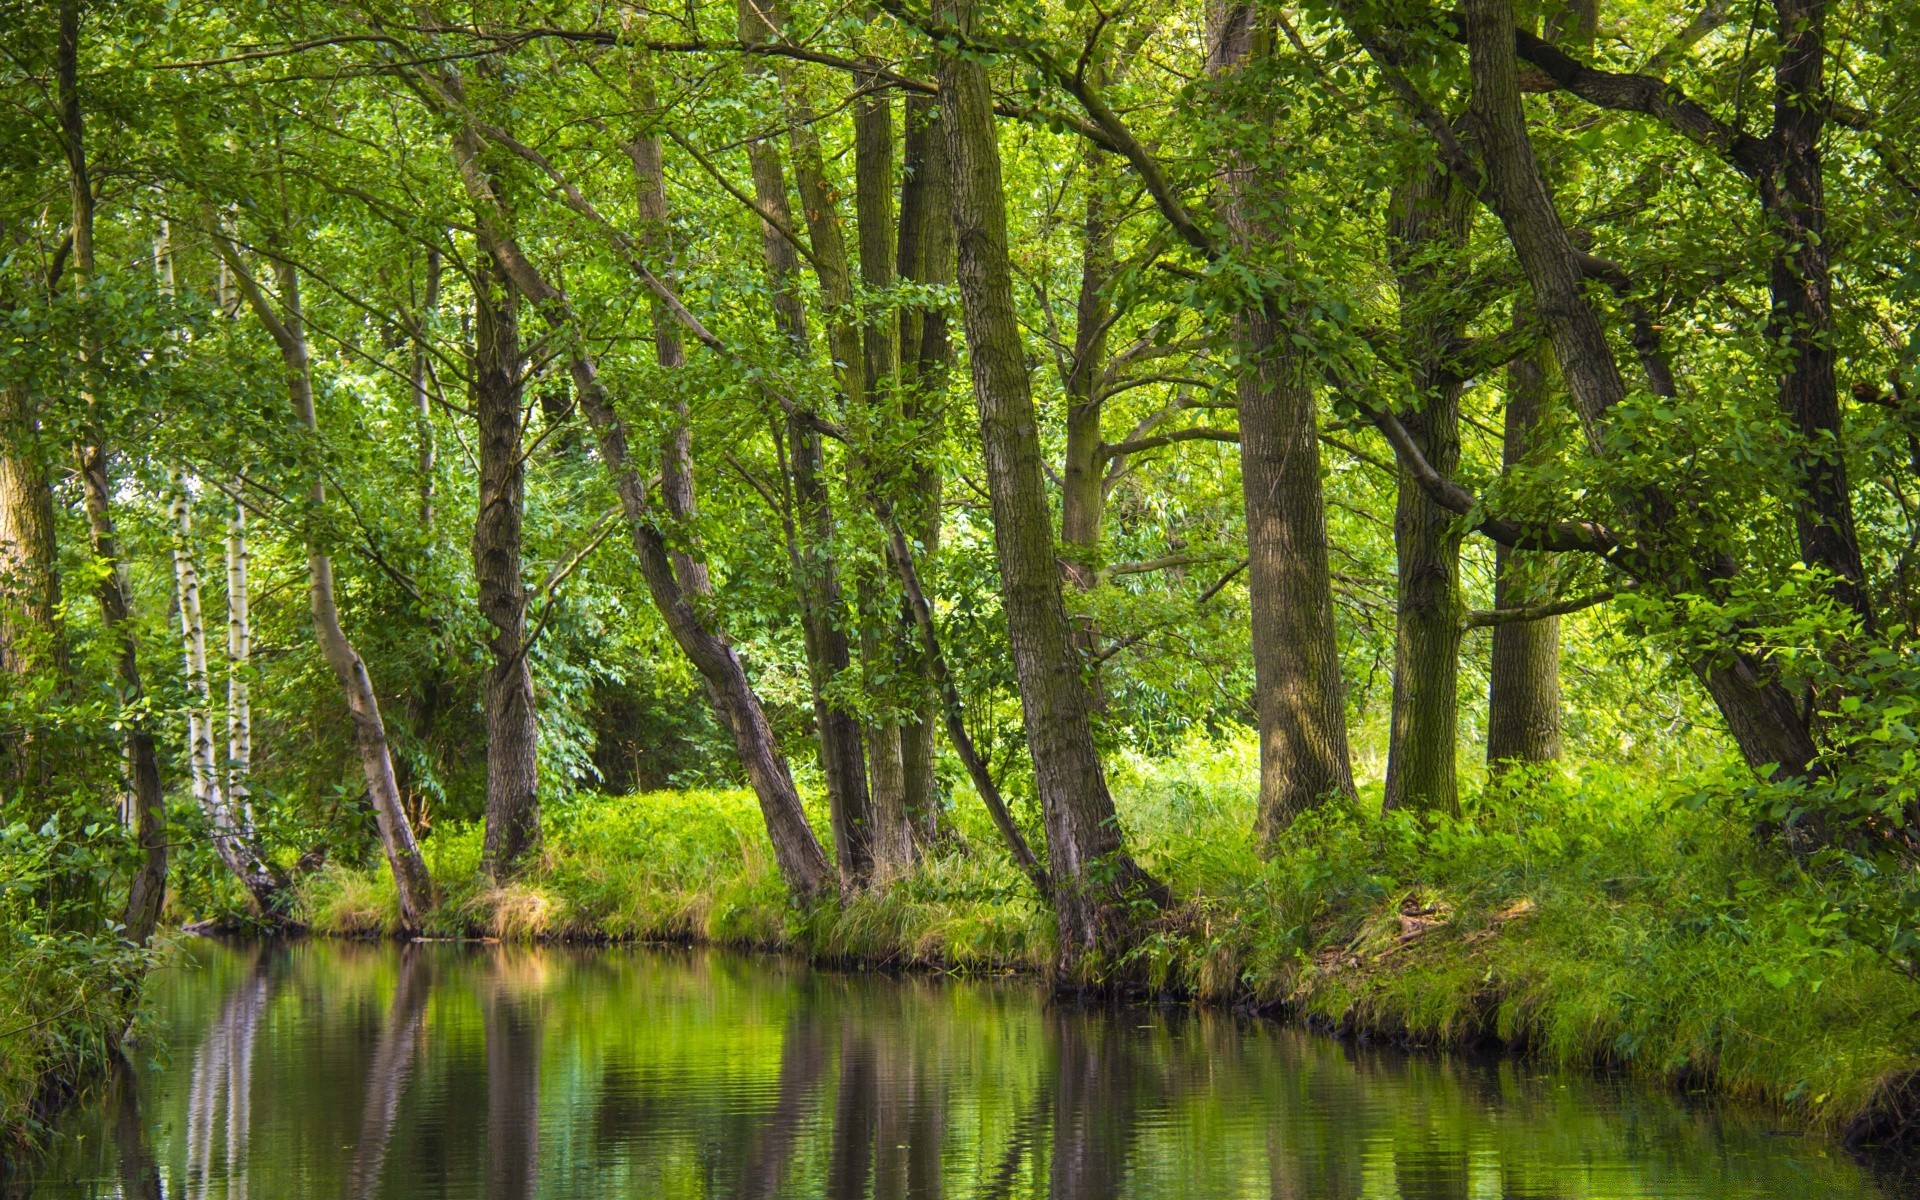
[329, 1069]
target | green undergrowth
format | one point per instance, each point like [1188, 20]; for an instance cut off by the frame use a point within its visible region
[67, 979]
[1606, 921]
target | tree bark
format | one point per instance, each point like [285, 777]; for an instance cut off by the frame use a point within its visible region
[1299, 695]
[513, 770]
[239, 770]
[884, 636]
[1096, 884]
[146, 892]
[925, 256]
[1523, 690]
[1428, 224]
[31, 637]
[425, 450]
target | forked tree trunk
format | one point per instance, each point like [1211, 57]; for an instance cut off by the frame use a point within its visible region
[147, 890]
[1299, 697]
[1427, 226]
[1099, 892]
[1523, 688]
[513, 768]
[925, 256]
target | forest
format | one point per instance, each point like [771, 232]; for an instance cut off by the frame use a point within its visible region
[1401, 516]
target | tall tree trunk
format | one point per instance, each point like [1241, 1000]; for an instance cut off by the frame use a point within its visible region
[513, 769]
[1801, 318]
[885, 639]
[1523, 688]
[823, 608]
[193, 635]
[233, 839]
[1299, 697]
[239, 770]
[925, 256]
[147, 890]
[1428, 224]
[1096, 884]
[803, 866]
[1759, 712]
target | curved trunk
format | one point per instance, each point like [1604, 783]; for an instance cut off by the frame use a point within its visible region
[1096, 884]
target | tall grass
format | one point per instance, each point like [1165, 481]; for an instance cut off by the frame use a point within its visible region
[1605, 921]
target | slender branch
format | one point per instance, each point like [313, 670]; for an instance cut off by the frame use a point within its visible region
[1158, 440]
[1486, 617]
[1135, 638]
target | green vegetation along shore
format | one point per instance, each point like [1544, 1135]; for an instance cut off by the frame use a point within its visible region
[1604, 924]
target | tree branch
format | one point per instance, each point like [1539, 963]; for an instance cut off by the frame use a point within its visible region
[1487, 617]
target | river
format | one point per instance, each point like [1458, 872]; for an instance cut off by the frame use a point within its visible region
[331, 1069]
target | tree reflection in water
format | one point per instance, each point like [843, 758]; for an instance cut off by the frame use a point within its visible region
[490, 1073]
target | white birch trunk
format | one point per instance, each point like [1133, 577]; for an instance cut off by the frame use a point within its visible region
[239, 651]
[206, 784]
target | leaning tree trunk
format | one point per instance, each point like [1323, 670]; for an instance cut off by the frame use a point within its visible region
[925, 256]
[1299, 697]
[1523, 688]
[513, 766]
[1098, 889]
[1427, 226]
[147, 890]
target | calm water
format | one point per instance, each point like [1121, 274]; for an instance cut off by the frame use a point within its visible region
[337, 1070]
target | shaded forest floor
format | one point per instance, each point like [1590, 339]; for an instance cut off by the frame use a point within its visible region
[1613, 922]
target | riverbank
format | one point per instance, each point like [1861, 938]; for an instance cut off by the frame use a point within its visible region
[1607, 924]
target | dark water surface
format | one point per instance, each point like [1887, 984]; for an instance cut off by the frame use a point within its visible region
[325, 1069]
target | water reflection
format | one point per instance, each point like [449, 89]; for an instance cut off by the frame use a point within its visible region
[514, 1074]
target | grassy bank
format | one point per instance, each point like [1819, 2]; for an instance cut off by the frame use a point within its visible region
[1610, 922]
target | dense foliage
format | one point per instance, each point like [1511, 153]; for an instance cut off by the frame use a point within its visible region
[424, 425]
